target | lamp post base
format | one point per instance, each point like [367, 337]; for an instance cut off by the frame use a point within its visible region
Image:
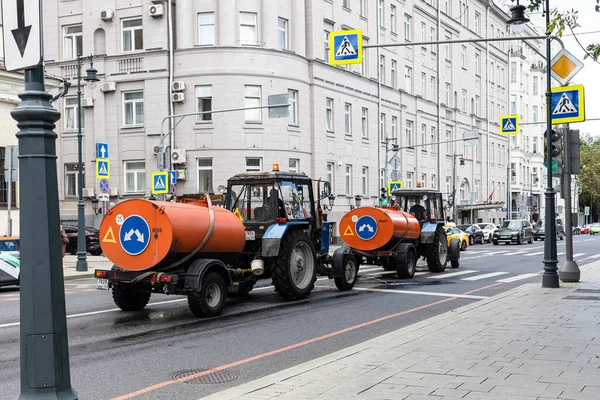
[569, 272]
[82, 264]
[550, 280]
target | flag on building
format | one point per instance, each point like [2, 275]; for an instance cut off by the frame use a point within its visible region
[491, 195]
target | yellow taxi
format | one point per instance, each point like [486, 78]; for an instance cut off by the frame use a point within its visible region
[452, 232]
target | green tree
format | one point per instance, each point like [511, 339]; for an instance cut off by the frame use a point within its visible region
[561, 20]
[589, 178]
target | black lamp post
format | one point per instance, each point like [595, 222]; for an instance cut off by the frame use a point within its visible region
[550, 276]
[81, 243]
[331, 199]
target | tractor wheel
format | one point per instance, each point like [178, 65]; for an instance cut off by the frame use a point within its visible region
[209, 301]
[437, 251]
[129, 299]
[295, 272]
[406, 270]
[350, 268]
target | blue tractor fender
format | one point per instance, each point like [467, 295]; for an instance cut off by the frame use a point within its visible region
[428, 230]
[271, 240]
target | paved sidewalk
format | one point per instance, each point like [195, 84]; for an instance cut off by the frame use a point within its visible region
[526, 343]
[93, 263]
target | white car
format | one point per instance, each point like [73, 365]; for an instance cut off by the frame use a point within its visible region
[488, 230]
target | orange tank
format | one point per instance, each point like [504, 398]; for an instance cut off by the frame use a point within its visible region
[140, 234]
[370, 228]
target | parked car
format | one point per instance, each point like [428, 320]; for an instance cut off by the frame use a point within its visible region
[474, 231]
[539, 230]
[10, 245]
[455, 233]
[595, 228]
[92, 240]
[584, 230]
[488, 230]
[10, 271]
[514, 230]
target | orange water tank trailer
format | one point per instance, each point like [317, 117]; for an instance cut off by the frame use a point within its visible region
[370, 228]
[139, 234]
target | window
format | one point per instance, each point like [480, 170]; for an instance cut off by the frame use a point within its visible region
[409, 180]
[432, 139]
[513, 71]
[433, 181]
[407, 27]
[408, 79]
[253, 164]
[513, 104]
[477, 27]
[448, 48]
[365, 123]
[365, 181]
[382, 126]
[393, 25]
[423, 32]
[71, 114]
[432, 38]
[447, 7]
[132, 35]
[72, 41]
[394, 77]
[409, 133]
[497, 75]
[476, 111]
[294, 165]
[448, 143]
[380, 9]
[502, 77]
[204, 102]
[382, 69]
[492, 72]
[346, 3]
[253, 99]
[282, 26]
[447, 94]
[330, 173]
[424, 84]
[365, 60]
[394, 125]
[293, 109]
[206, 29]
[71, 177]
[329, 114]
[205, 175]
[535, 145]
[133, 108]
[348, 119]
[424, 136]
[248, 31]
[463, 57]
[362, 8]
[348, 177]
[535, 85]
[326, 43]
[448, 179]
[463, 100]
[492, 117]
[135, 176]
[432, 87]
[535, 114]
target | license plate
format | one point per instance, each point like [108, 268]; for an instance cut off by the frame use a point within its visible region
[250, 235]
[101, 283]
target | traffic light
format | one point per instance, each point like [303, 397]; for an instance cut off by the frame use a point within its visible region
[556, 151]
[573, 165]
[383, 197]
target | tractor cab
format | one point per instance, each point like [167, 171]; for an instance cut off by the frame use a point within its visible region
[426, 205]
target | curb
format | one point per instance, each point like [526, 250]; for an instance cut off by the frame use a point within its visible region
[73, 277]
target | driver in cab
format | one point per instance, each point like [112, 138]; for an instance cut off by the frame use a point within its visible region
[418, 211]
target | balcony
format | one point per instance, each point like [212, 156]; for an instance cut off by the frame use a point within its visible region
[130, 65]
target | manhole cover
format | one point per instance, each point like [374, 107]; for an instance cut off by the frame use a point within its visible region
[205, 378]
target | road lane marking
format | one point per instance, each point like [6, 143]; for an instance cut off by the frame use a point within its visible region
[534, 254]
[484, 276]
[560, 254]
[579, 255]
[452, 274]
[517, 278]
[437, 294]
[594, 256]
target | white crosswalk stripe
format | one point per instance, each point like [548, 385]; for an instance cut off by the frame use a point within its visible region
[452, 274]
[517, 278]
[534, 254]
[594, 256]
[484, 276]
[579, 255]
[560, 254]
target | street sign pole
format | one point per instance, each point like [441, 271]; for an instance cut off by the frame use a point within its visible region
[45, 371]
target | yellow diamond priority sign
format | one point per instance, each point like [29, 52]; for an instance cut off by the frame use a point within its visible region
[564, 67]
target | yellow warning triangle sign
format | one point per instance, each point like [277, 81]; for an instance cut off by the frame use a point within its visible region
[348, 231]
[110, 236]
[239, 215]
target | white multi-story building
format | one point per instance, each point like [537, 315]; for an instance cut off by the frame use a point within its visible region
[162, 58]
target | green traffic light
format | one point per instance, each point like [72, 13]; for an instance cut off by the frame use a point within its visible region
[384, 202]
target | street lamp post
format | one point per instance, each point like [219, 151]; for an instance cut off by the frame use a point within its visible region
[462, 162]
[81, 244]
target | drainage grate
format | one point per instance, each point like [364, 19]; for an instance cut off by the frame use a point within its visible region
[210, 378]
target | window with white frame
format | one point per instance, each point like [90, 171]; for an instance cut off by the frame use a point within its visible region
[382, 69]
[463, 100]
[394, 74]
[282, 26]
[447, 94]
[329, 114]
[409, 133]
[293, 109]
[424, 85]
[346, 3]
[381, 17]
[71, 177]
[408, 79]
[407, 27]
[424, 136]
[535, 114]
[492, 116]
[393, 25]
[432, 138]
[476, 111]
[535, 145]
[498, 75]
[424, 180]
[535, 86]
[203, 102]
[477, 67]
[252, 98]
[253, 164]
[448, 190]
[133, 108]
[248, 31]
[477, 24]
[365, 60]
[205, 175]
[423, 32]
[206, 29]
[448, 48]
[409, 180]
[132, 35]
[362, 8]
[394, 133]
[365, 181]
[448, 143]
[432, 181]
[72, 41]
[432, 87]
[330, 173]
[71, 115]
[348, 178]
[326, 45]
[364, 121]
[463, 57]
[348, 119]
[294, 165]
[135, 176]
[513, 71]
[382, 126]
[432, 38]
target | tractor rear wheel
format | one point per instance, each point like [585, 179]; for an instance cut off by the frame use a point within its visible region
[295, 272]
[437, 251]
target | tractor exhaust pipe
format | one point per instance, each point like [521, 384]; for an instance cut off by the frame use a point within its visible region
[257, 266]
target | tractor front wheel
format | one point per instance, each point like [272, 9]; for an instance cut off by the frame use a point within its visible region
[437, 252]
[295, 271]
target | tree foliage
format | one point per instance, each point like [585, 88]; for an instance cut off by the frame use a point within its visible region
[561, 20]
[589, 178]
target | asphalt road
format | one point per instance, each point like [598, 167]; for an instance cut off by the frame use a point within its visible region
[116, 354]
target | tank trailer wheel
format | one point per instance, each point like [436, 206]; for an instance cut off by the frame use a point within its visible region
[350, 268]
[209, 301]
[295, 272]
[437, 252]
[407, 270]
[129, 299]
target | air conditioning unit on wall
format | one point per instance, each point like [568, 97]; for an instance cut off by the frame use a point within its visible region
[178, 97]
[156, 10]
[108, 87]
[180, 174]
[88, 192]
[178, 156]
[178, 86]
[114, 191]
[107, 15]
[87, 102]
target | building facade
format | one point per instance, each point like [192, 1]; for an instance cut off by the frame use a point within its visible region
[158, 59]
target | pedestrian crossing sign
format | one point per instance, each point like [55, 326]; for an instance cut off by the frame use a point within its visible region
[509, 124]
[102, 168]
[160, 182]
[393, 186]
[567, 104]
[345, 47]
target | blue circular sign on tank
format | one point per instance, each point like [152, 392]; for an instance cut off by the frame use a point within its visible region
[134, 235]
[366, 227]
